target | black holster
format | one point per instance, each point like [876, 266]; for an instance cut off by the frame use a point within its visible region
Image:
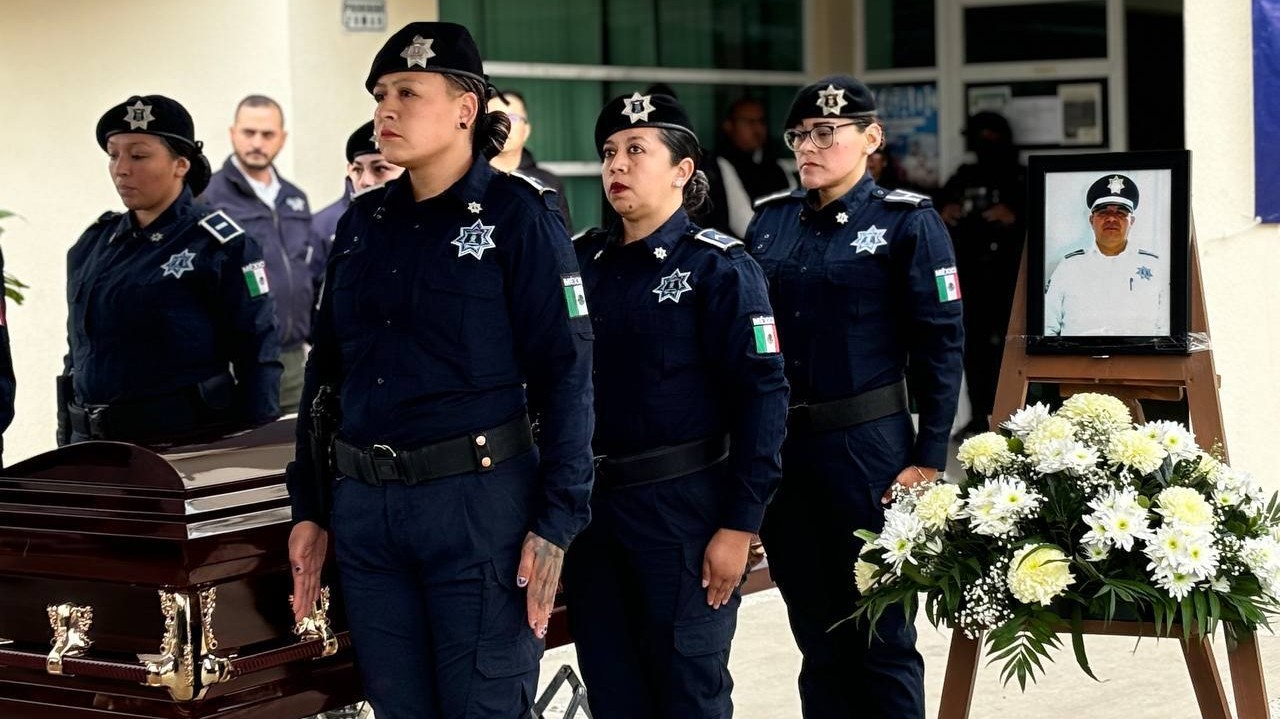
[66, 393]
[325, 419]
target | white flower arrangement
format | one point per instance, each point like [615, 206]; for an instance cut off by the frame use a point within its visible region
[1077, 513]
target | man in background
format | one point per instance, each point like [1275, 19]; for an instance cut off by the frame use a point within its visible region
[515, 157]
[748, 170]
[276, 214]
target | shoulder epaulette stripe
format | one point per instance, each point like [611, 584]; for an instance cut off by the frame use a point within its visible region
[1149, 253]
[1077, 253]
[590, 231]
[770, 198]
[913, 198]
[541, 188]
[718, 239]
[221, 226]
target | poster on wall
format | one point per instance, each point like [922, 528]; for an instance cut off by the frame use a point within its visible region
[1046, 113]
[910, 116]
[1266, 109]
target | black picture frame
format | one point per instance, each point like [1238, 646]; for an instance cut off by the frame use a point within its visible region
[1092, 293]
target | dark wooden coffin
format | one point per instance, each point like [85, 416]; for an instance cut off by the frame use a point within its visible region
[155, 586]
[137, 584]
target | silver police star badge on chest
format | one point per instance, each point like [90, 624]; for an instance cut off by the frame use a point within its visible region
[474, 240]
[672, 286]
[138, 116]
[869, 240]
[418, 52]
[179, 264]
[297, 204]
[831, 100]
[637, 107]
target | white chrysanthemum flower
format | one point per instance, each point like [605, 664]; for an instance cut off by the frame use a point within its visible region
[1095, 551]
[902, 532]
[1177, 584]
[1200, 558]
[1186, 506]
[987, 453]
[1100, 414]
[1132, 448]
[864, 576]
[1049, 430]
[939, 505]
[1025, 420]
[1220, 584]
[1039, 574]
[1175, 438]
[1122, 528]
[995, 507]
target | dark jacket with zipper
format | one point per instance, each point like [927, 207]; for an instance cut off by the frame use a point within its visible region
[288, 245]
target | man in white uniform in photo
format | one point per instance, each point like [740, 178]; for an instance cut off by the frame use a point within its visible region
[1112, 287]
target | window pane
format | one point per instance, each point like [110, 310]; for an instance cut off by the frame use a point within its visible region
[726, 34]
[516, 30]
[1049, 31]
[562, 115]
[899, 33]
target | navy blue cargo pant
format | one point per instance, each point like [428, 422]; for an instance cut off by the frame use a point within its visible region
[428, 574]
[648, 645]
[831, 486]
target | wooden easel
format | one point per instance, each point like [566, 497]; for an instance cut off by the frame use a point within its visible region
[1129, 377]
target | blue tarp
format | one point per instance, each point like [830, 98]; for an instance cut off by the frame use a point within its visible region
[1266, 109]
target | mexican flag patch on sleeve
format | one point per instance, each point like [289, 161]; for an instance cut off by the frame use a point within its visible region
[766, 334]
[948, 282]
[255, 278]
[575, 298]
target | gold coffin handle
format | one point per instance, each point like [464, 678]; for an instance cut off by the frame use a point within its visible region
[70, 624]
[316, 625]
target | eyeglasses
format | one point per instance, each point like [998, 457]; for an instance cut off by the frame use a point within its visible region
[823, 136]
[516, 119]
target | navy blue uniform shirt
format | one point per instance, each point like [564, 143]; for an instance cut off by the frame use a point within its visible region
[434, 318]
[686, 349]
[863, 287]
[159, 309]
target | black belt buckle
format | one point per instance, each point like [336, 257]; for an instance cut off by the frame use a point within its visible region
[385, 464]
[95, 416]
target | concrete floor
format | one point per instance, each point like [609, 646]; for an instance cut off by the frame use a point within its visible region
[1143, 681]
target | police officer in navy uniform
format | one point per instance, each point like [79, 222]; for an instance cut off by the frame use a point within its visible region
[691, 407]
[443, 323]
[863, 284]
[171, 328]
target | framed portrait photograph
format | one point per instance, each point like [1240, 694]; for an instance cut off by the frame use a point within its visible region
[1108, 242]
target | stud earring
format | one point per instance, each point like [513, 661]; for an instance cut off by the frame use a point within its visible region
[462, 125]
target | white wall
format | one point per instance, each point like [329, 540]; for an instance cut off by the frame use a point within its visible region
[64, 62]
[1242, 293]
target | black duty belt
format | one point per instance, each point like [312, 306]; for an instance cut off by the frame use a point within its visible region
[841, 413]
[662, 463]
[478, 452]
[167, 416]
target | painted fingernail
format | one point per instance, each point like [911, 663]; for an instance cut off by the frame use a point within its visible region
[522, 582]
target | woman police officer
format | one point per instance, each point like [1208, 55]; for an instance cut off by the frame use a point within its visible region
[863, 282]
[444, 321]
[691, 407]
[171, 328]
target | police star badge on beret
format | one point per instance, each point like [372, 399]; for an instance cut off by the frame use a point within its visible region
[834, 96]
[443, 47]
[636, 110]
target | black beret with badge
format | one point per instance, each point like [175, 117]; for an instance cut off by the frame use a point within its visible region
[164, 117]
[833, 96]
[1112, 190]
[636, 110]
[443, 47]
[362, 142]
